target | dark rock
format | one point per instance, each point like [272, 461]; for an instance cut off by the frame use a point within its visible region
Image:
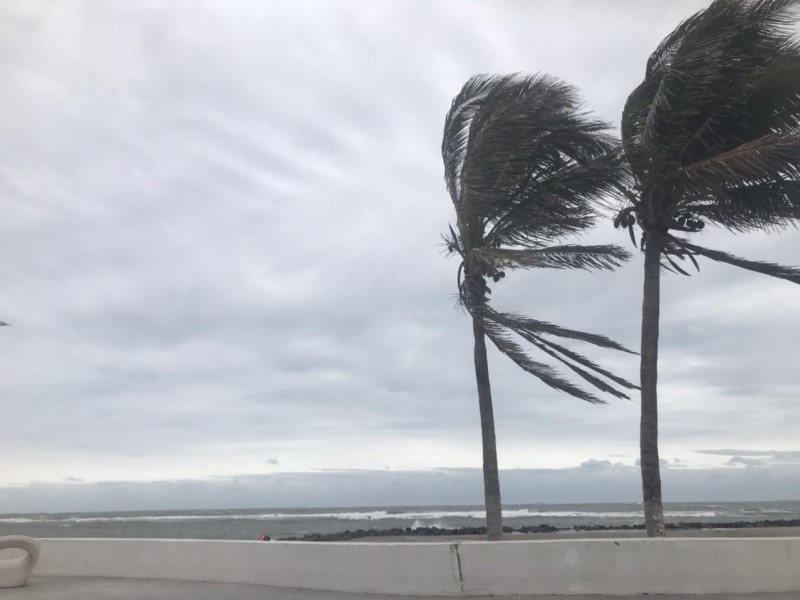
[544, 528]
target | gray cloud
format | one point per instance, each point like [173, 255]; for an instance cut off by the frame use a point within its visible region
[593, 481]
[220, 245]
[756, 457]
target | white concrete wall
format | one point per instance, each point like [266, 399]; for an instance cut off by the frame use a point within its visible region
[632, 566]
[597, 566]
[418, 569]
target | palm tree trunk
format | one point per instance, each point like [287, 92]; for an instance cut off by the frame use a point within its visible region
[491, 475]
[648, 429]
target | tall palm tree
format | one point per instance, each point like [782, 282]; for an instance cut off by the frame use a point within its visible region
[523, 166]
[710, 136]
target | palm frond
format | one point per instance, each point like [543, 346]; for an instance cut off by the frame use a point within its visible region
[756, 161]
[568, 358]
[673, 266]
[507, 137]
[767, 268]
[520, 323]
[549, 376]
[501, 325]
[452, 242]
[458, 125]
[634, 112]
[562, 354]
[583, 373]
[578, 358]
[770, 205]
[766, 99]
[562, 204]
[554, 257]
[724, 77]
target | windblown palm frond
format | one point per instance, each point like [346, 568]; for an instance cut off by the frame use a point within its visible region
[504, 342]
[554, 257]
[518, 141]
[520, 323]
[524, 166]
[713, 131]
[765, 206]
[767, 268]
[535, 333]
[560, 204]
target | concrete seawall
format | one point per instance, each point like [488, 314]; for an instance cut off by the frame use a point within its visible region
[607, 566]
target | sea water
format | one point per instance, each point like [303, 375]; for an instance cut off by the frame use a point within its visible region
[248, 524]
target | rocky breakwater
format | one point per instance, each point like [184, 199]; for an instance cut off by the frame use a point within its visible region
[443, 531]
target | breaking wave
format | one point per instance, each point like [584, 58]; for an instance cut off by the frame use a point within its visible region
[420, 518]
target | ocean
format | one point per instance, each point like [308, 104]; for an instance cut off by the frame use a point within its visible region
[248, 524]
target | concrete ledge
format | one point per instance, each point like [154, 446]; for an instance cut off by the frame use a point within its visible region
[416, 569]
[632, 566]
[557, 567]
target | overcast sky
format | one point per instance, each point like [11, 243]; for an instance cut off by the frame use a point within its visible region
[220, 258]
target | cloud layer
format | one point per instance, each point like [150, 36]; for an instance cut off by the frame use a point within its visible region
[221, 250]
[592, 481]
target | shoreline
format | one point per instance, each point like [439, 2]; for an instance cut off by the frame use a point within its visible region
[763, 528]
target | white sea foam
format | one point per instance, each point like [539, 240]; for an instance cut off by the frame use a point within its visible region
[419, 523]
[20, 520]
[553, 514]
[766, 511]
[420, 518]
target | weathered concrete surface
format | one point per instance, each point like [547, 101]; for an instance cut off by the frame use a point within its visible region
[92, 588]
[419, 569]
[609, 567]
[632, 566]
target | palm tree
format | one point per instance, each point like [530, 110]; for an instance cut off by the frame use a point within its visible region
[523, 166]
[710, 136]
